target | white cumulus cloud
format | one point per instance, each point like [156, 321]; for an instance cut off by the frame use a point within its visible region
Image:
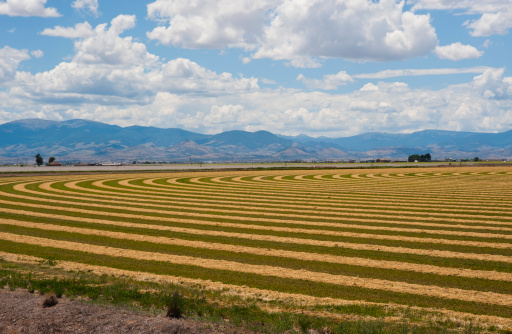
[209, 24]
[457, 51]
[328, 82]
[37, 53]
[297, 31]
[184, 75]
[103, 45]
[420, 72]
[492, 84]
[9, 61]
[81, 30]
[90, 6]
[495, 15]
[108, 68]
[492, 23]
[27, 8]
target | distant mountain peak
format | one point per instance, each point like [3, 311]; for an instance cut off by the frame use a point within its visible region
[86, 140]
[33, 123]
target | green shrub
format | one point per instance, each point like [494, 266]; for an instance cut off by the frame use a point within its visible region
[176, 306]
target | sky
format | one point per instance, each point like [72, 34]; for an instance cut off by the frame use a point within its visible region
[330, 68]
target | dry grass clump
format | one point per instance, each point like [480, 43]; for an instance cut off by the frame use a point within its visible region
[50, 300]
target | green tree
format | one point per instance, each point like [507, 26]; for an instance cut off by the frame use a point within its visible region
[39, 159]
[414, 157]
[476, 159]
[52, 159]
[421, 158]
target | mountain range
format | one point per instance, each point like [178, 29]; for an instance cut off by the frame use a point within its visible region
[81, 140]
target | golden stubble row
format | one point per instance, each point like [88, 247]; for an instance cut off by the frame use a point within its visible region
[265, 270]
[145, 196]
[387, 196]
[305, 256]
[459, 186]
[450, 187]
[261, 237]
[292, 229]
[268, 199]
[348, 215]
[372, 210]
[327, 194]
[102, 198]
[224, 214]
[364, 181]
[319, 209]
[246, 292]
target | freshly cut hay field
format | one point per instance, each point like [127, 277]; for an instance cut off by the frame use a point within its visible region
[433, 238]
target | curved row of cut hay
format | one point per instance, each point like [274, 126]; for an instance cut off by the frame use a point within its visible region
[363, 227]
[245, 291]
[256, 236]
[263, 191]
[493, 235]
[197, 200]
[320, 220]
[352, 226]
[259, 229]
[439, 188]
[491, 275]
[253, 196]
[101, 187]
[374, 188]
[445, 213]
[400, 287]
[118, 203]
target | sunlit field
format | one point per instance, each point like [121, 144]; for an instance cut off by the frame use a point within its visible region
[436, 240]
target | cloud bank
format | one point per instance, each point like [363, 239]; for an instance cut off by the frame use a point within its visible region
[289, 30]
[495, 15]
[27, 8]
[112, 77]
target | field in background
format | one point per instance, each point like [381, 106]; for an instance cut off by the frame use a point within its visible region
[197, 166]
[432, 239]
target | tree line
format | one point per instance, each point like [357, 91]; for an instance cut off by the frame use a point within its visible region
[420, 158]
[40, 160]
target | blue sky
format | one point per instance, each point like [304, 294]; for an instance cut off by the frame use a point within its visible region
[317, 67]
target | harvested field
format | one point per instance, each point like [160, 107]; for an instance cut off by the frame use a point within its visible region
[431, 238]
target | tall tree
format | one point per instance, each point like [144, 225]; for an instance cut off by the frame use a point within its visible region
[39, 159]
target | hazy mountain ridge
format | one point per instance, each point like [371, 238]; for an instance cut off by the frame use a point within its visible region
[90, 141]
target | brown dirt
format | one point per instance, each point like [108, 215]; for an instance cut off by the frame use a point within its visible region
[21, 312]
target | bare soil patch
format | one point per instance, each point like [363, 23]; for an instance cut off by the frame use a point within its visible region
[21, 312]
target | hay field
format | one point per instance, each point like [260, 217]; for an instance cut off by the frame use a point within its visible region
[430, 238]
